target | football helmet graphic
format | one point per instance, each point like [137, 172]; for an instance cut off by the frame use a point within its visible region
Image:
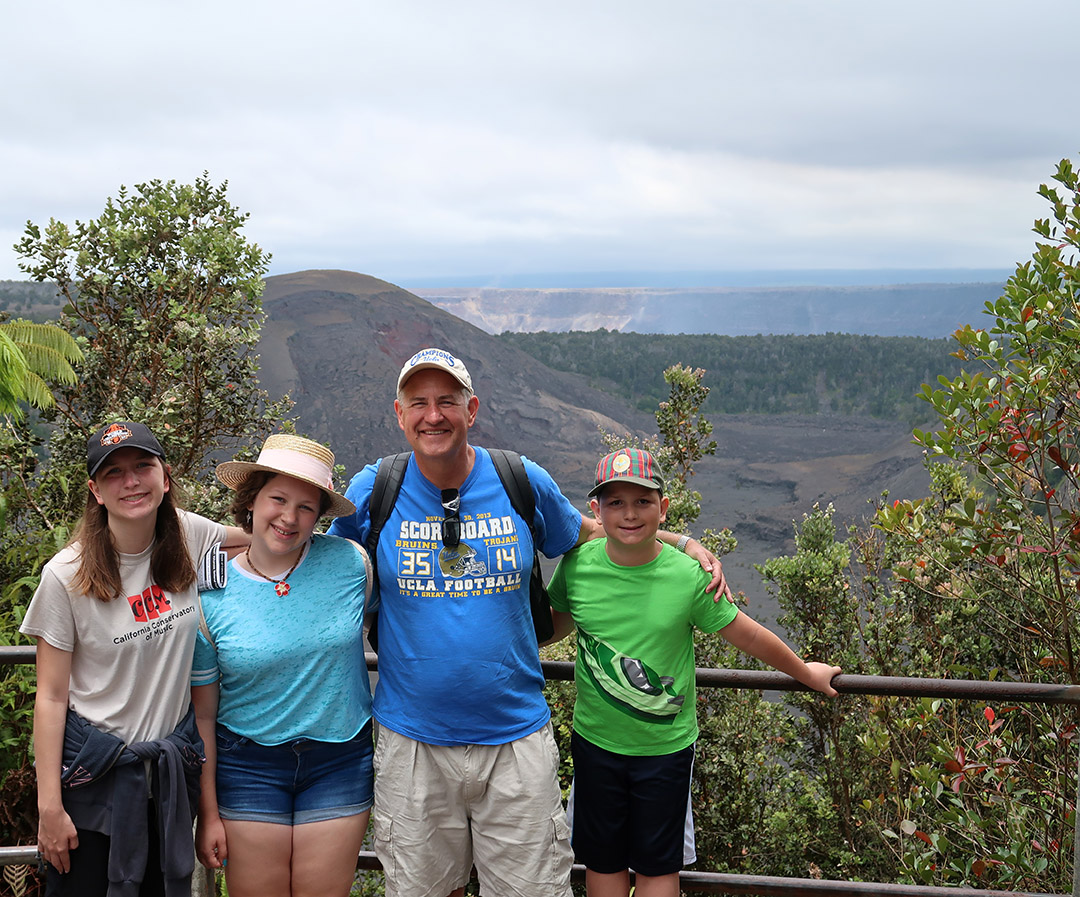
[460, 561]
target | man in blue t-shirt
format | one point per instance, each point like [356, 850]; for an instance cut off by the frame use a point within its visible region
[465, 762]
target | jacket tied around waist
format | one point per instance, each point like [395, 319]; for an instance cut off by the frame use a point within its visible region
[106, 789]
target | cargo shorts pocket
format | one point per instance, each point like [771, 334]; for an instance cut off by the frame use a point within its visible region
[562, 854]
[383, 831]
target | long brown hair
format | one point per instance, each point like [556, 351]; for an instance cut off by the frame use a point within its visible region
[171, 566]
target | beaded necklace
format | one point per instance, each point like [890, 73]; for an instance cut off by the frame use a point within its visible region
[280, 586]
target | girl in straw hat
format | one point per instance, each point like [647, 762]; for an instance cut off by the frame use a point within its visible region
[114, 623]
[280, 686]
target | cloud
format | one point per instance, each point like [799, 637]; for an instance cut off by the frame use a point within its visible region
[486, 136]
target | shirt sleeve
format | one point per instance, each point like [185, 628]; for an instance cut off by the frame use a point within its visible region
[204, 668]
[357, 526]
[710, 615]
[49, 615]
[558, 523]
[556, 589]
[201, 533]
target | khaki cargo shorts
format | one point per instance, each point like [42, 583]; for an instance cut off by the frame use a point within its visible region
[438, 809]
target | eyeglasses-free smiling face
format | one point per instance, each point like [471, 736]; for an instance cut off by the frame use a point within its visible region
[434, 413]
[630, 514]
[283, 517]
[130, 483]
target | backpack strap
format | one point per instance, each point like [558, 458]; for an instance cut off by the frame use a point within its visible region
[384, 493]
[515, 481]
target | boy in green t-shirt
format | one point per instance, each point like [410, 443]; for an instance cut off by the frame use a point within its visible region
[635, 602]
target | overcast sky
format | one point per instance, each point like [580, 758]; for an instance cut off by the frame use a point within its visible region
[419, 139]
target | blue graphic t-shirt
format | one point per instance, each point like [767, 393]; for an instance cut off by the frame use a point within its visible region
[458, 661]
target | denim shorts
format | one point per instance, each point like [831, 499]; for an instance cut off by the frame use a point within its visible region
[296, 782]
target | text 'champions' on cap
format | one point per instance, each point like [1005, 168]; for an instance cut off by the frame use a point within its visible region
[435, 359]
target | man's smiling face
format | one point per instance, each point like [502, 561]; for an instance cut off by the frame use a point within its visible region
[434, 413]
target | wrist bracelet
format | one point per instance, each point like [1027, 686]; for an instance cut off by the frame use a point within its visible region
[684, 540]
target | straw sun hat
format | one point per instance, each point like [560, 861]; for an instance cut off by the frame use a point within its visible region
[293, 457]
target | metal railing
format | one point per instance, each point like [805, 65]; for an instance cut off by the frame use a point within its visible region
[727, 883]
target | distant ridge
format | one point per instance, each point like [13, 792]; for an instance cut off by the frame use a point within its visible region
[928, 310]
[825, 277]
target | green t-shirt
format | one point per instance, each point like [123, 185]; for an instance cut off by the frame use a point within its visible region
[635, 666]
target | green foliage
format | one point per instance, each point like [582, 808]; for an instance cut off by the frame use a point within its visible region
[162, 291]
[29, 536]
[1014, 422]
[30, 353]
[759, 803]
[13, 375]
[978, 580]
[927, 791]
[162, 298]
[994, 559]
[829, 373]
[818, 609]
[684, 438]
[989, 806]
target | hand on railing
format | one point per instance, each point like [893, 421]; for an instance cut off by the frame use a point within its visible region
[821, 677]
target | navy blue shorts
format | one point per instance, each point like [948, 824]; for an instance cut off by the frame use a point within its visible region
[296, 782]
[629, 812]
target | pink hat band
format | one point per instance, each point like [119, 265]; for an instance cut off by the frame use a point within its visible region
[293, 456]
[297, 464]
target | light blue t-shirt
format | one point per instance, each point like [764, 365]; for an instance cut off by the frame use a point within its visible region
[290, 666]
[458, 661]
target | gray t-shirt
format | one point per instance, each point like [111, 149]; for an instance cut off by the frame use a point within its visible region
[130, 657]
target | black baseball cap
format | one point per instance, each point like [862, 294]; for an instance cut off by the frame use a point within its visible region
[117, 435]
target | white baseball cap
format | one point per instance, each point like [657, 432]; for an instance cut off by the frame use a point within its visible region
[438, 359]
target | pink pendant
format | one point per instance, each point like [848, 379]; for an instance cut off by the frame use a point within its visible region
[282, 588]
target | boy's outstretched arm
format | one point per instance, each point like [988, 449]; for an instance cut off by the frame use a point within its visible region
[752, 638]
